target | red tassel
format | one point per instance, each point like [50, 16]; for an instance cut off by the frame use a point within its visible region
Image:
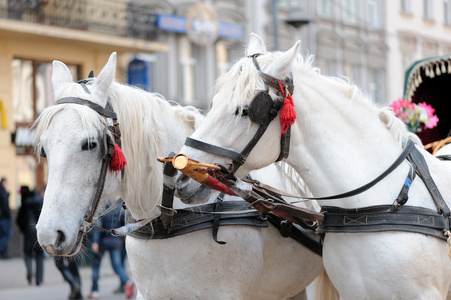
[118, 161]
[288, 114]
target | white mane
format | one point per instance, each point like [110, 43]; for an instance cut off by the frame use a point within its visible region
[141, 120]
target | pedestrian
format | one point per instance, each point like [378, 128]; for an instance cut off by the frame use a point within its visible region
[102, 242]
[69, 269]
[27, 218]
[6, 228]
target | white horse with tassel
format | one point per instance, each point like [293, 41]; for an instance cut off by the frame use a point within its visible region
[384, 239]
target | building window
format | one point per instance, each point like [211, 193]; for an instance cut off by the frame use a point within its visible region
[428, 9]
[406, 6]
[32, 92]
[374, 85]
[351, 12]
[447, 11]
[32, 88]
[290, 4]
[374, 15]
[325, 8]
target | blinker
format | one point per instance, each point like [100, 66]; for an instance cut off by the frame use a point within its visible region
[260, 108]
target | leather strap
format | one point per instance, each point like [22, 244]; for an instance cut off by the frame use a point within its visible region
[382, 218]
[198, 218]
[268, 79]
[99, 109]
[273, 82]
[217, 218]
[209, 148]
[410, 145]
[403, 195]
[417, 159]
[265, 202]
[306, 237]
[88, 219]
[284, 145]
[167, 200]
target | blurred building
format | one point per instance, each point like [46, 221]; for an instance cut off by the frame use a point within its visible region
[416, 30]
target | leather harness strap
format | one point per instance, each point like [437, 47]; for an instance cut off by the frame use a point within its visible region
[220, 213]
[167, 200]
[394, 217]
[417, 159]
[306, 237]
[200, 217]
[217, 218]
[382, 218]
[106, 112]
[410, 145]
[215, 150]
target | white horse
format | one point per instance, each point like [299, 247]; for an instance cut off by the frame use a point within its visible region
[256, 263]
[339, 142]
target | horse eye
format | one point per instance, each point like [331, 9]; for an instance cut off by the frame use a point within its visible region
[89, 145]
[42, 154]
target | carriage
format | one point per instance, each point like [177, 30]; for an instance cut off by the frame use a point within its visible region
[427, 80]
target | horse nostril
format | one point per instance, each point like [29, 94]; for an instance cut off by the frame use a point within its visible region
[60, 239]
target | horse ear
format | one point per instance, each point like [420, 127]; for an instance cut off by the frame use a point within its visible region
[106, 76]
[256, 45]
[60, 75]
[280, 67]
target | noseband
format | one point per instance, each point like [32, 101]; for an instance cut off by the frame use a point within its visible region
[108, 150]
[262, 110]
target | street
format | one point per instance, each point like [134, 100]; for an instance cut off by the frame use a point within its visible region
[14, 286]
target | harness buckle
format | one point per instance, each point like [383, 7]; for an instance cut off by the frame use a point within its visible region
[86, 227]
[268, 203]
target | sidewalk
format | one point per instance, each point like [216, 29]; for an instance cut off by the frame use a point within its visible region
[14, 286]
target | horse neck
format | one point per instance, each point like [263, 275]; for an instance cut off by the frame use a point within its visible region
[339, 144]
[150, 128]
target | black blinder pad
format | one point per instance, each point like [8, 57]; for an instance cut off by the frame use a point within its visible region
[260, 108]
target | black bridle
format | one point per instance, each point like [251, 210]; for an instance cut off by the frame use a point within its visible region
[262, 110]
[108, 150]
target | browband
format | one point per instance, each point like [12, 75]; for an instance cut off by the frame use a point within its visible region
[106, 112]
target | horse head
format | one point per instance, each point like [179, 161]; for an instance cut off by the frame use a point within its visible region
[76, 137]
[247, 98]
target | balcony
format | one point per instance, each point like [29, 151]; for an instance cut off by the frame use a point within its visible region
[120, 18]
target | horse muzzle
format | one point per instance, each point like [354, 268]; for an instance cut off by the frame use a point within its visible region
[60, 246]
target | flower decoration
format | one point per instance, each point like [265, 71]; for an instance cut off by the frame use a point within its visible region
[416, 116]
